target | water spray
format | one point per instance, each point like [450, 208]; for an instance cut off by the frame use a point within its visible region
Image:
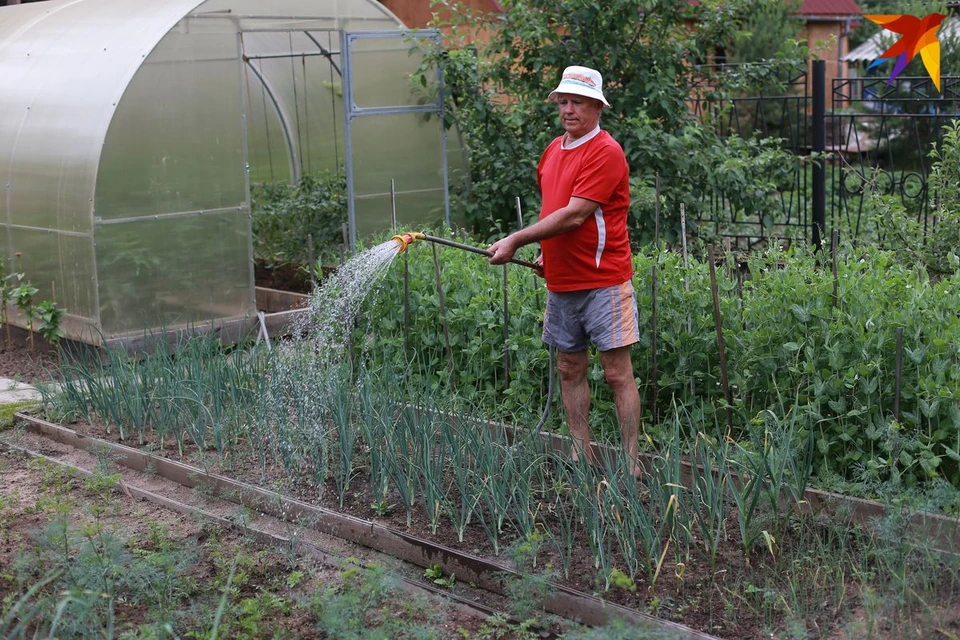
[406, 239]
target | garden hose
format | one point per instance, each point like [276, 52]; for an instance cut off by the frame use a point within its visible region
[551, 367]
[406, 239]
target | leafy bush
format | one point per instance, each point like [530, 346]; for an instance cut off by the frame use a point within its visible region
[284, 215]
[936, 246]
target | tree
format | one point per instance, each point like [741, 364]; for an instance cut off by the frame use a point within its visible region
[648, 52]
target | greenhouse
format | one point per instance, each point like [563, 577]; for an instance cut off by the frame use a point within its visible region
[131, 131]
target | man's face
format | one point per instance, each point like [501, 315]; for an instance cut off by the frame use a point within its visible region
[578, 115]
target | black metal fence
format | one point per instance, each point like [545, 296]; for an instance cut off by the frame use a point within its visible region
[874, 138]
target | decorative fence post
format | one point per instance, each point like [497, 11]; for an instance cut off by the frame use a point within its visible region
[819, 147]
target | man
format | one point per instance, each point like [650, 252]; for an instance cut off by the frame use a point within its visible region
[585, 254]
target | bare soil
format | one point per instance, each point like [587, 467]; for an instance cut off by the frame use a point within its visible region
[18, 361]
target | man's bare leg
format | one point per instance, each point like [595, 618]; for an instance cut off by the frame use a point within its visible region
[618, 370]
[575, 393]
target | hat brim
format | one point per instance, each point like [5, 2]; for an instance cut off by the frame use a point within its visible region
[580, 91]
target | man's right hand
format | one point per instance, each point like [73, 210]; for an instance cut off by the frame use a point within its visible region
[502, 250]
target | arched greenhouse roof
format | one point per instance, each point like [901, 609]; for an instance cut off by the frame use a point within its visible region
[65, 65]
[152, 112]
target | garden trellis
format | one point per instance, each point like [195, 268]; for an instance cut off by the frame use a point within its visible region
[131, 131]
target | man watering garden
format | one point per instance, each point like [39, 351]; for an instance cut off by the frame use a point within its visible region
[585, 254]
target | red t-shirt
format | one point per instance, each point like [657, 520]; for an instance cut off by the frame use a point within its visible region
[597, 253]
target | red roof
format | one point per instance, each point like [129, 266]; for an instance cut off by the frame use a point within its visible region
[830, 8]
[837, 8]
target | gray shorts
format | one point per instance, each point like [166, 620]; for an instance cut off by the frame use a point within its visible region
[606, 317]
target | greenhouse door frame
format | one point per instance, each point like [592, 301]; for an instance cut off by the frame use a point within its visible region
[351, 112]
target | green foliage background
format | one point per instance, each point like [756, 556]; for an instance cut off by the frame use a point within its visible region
[284, 214]
[788, 342]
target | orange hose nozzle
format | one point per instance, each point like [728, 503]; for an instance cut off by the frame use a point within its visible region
[406, 239]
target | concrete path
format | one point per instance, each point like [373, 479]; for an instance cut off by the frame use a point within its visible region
[14, 391]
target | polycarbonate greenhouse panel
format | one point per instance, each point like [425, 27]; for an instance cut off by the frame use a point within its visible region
[60, 266]
[175, 144]
[421, 211]
[128, 128]
[383, 73]
[294, 94]
[303, 14]
[406, 148]
[173, 271]
[58, 100]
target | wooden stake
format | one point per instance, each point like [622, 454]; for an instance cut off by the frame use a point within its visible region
[393, 205]
[654, 374]
[536, 279]
[443, 312]
[686, 280]
[718, 322]
[506, 331]
[313, 278]
[835, 239]
[897, 372]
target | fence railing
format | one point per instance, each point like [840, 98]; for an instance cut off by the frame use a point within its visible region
[875, 137]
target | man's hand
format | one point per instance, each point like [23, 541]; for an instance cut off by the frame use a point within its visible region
[502, 250]
[539, 262]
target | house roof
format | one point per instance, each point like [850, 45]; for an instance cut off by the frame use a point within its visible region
[825, 8]
[831, 8]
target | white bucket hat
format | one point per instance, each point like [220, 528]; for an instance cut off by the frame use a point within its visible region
[582, 81]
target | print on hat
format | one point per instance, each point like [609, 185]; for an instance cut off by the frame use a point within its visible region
[582, 81]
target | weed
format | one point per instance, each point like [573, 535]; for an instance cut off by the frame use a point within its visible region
[435, 574]
[295, 578]
[357, 608]
[382, 507]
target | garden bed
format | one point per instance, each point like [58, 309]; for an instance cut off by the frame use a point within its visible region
[729, 599]
[217, 569]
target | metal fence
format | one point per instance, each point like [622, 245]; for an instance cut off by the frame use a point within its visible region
[875, 138]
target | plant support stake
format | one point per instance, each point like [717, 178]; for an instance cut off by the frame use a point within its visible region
[834, 240]
[506, 332]
[717, 320]
[686, 276]
[443, 312]
[313, 271]
[896, 375]
[653, 304]
[393, 205]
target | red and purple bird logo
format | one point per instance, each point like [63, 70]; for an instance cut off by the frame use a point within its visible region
[918, 35]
